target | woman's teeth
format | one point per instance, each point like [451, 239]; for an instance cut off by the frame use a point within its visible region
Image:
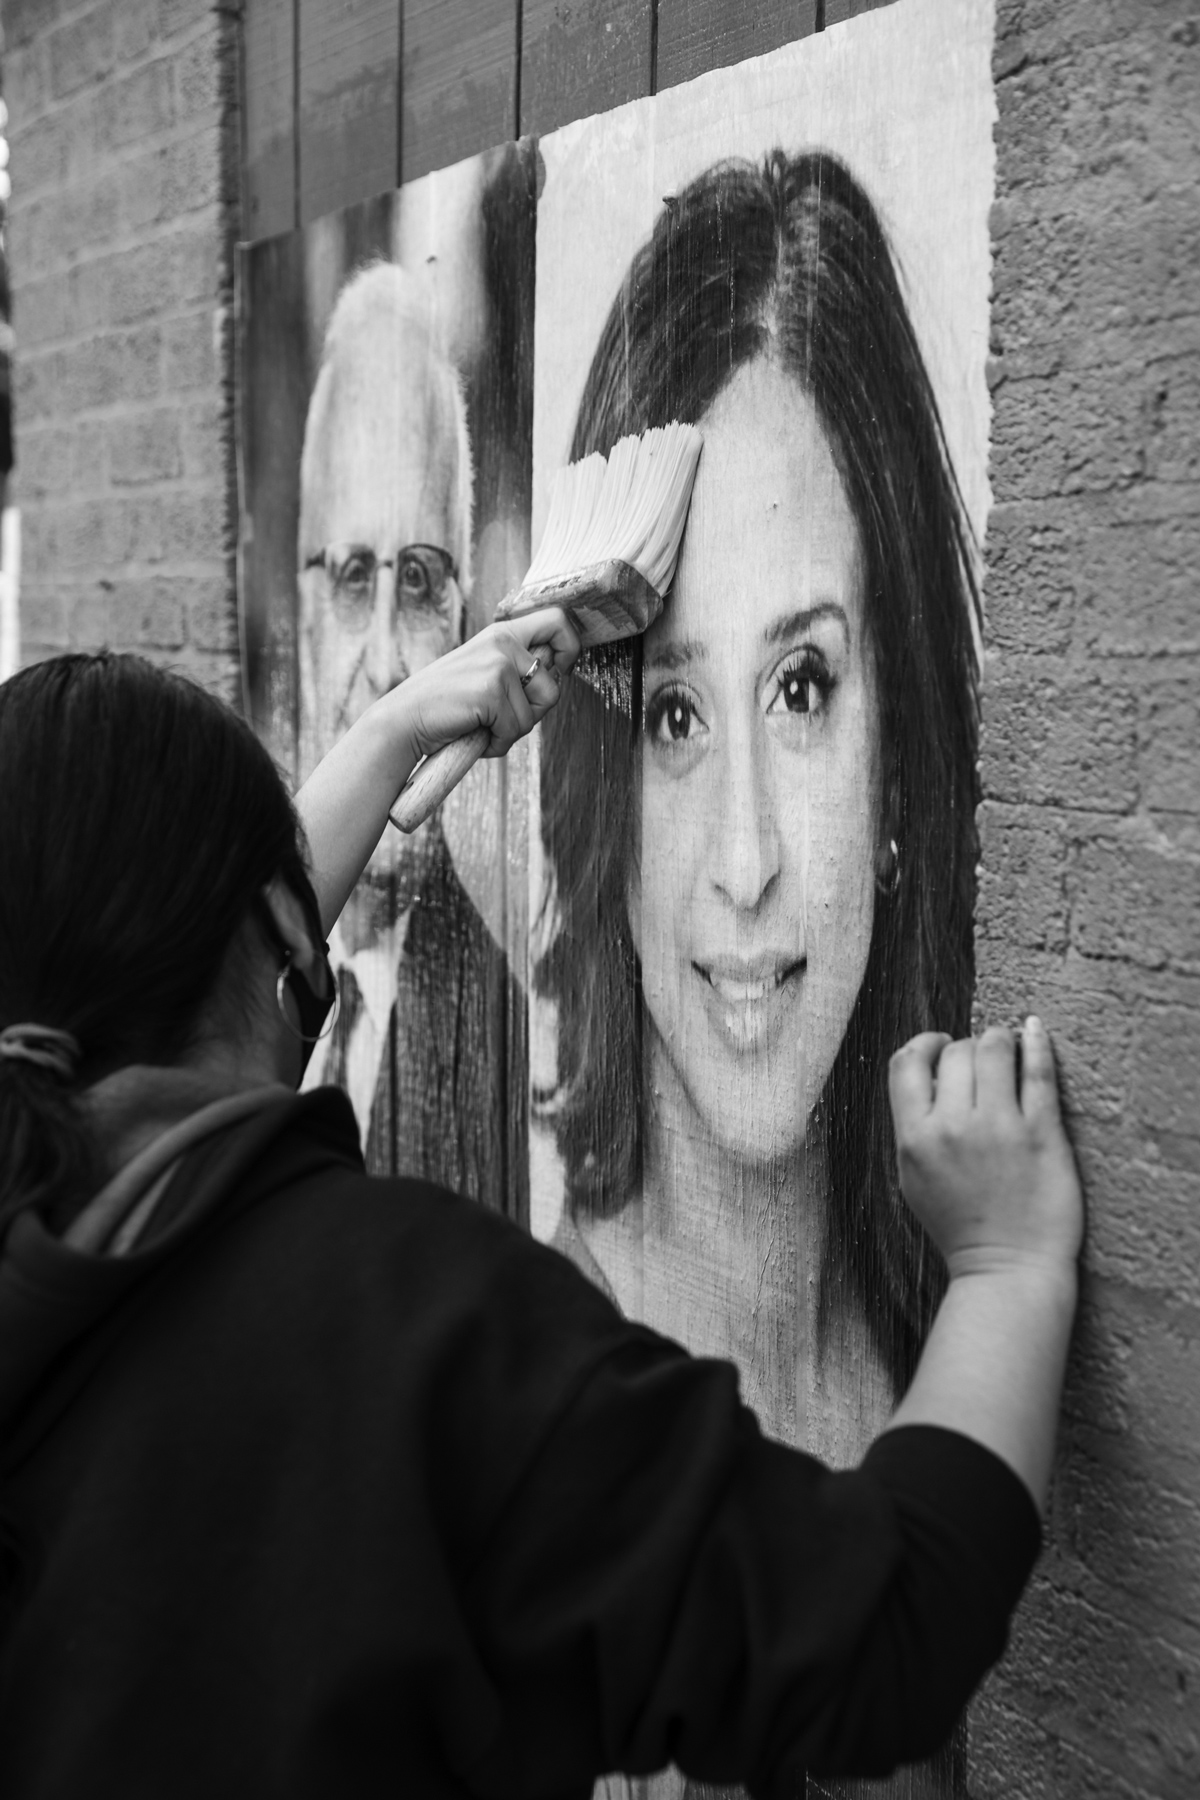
[738, 988]
[741, 993]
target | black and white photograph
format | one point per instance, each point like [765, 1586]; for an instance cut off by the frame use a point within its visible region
[385, 468]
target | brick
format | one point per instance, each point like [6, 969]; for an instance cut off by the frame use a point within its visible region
[27, 79]
[42, 313]
[61, 227]
[1121, 1518]
[1011, 1758]
[1173, 450]
[39, 159]
[203, 440]
[1166, 1069]
[1084, 1007]
[110, 369]
[139, 185]
[1055, 736]
[136, 28]
[81, 51]
[192, 526]
[89, 458]
[211, 612]
[34, 389]
[29, 21]
[139, 106]
[191, 173]
[1136, 897]
[190, 353]
[145, 613]
[148, 279]
[1136, 581]
[1067, 275]
[1110, 1693]
[1075, 431]
[46, 462]
[1022, 883]
[145, 447]
[43, 619]
[199, 75]
[1169, 748]
[1031, 577]
[1143, 1220]
[177, 17]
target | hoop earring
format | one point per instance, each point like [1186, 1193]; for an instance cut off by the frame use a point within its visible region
[335, 1005]
[887, 879]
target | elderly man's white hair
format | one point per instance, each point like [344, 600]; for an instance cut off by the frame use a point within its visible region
[386, 440]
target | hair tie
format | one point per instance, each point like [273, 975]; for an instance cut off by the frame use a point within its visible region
[50, 1049]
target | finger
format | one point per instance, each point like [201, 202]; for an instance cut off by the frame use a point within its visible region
[514, 715]
[956, 1077]
[996, 1070]
[542, 691]
[1039, 1078]
[553, 635]
[911, 1076]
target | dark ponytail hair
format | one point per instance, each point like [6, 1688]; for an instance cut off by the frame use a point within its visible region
[139, 818]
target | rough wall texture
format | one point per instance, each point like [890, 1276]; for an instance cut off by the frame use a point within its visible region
[124, 164]
[1090, 898]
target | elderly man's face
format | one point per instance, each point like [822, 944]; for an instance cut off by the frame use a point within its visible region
[381, 524]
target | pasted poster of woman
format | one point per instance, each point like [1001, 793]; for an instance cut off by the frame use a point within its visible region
[758, 826]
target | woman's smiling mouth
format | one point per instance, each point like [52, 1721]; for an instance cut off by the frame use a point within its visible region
[748, 997]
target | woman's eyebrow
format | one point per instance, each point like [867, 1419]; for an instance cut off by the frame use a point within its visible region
[795, 624]
[677, 655]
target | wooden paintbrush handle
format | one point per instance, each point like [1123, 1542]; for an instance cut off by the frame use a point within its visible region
[433, 779]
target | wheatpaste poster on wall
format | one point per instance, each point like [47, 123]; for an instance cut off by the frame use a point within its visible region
[385, 418]
[756, 839]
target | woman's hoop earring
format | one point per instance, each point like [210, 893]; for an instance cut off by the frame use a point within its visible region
[887, 877]
[335, 1005]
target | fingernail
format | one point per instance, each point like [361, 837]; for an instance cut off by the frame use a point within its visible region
[1033, 1023]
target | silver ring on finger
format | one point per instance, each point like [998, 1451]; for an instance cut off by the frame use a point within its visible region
[531, 671]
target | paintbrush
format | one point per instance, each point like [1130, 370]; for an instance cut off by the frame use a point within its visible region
[607, 558]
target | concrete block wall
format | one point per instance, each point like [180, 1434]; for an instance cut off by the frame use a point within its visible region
[125, 181]
[1090, 895]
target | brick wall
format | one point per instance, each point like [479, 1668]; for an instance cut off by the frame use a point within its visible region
[124, 165]
[1090, 899]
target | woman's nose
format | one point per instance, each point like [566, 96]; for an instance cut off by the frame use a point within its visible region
[743, 833]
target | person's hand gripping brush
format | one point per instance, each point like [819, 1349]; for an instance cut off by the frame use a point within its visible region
[494, 688]
[986, 1166]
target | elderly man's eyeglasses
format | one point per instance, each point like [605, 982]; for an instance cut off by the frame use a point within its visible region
[423, 574]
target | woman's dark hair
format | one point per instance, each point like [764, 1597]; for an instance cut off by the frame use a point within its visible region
[139, 819]
[787, 260]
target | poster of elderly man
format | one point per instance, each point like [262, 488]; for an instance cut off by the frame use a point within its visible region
[385, 454]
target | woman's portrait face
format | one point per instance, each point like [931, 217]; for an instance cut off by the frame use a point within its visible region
[752, 907]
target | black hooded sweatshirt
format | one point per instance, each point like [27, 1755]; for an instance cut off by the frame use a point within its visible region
[343, 1486]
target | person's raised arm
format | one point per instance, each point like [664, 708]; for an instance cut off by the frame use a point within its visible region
[986, 1166]
[344, 804]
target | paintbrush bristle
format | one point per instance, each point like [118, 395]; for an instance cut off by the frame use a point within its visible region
[627, 507]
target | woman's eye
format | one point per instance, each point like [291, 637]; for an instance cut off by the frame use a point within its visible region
[804, 687]
[671, 718]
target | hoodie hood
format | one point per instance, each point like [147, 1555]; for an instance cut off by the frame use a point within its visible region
[58, 1296]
